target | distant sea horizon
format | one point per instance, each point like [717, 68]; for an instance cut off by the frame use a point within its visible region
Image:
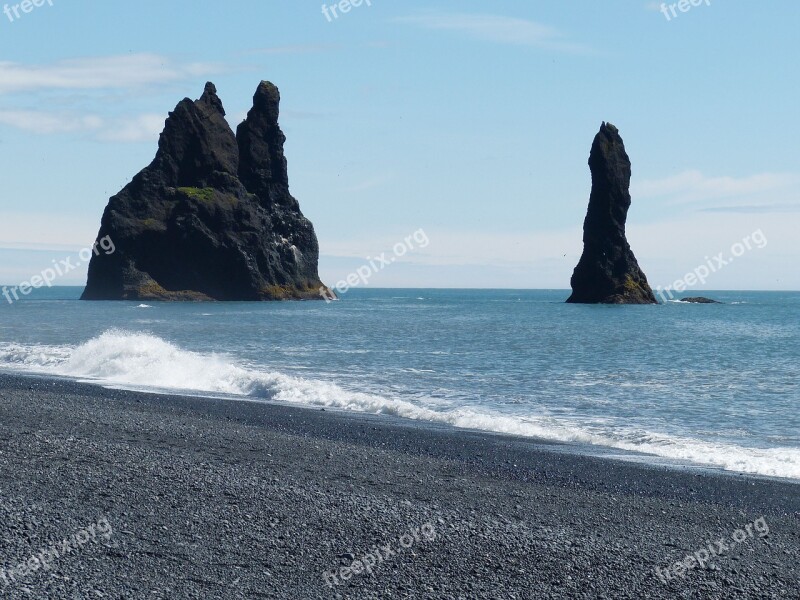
[690, 292]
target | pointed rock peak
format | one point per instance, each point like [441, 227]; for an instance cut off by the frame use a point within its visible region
[262, 162]
[608, 128]
[196, 143]
[210, 98]
[267, 99]
[608, 139]
[607, 271]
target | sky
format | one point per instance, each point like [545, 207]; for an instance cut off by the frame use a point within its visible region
[471, 121]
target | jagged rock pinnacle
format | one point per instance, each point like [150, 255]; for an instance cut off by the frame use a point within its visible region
[210, 97]
[200, 224]
[607, 272]
[262, 167]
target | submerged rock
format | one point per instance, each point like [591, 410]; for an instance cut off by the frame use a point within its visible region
[700, 300]
[607, 272]
[211, 218]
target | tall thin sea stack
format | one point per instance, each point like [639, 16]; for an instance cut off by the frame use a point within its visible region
[211, 218]
[607, 272]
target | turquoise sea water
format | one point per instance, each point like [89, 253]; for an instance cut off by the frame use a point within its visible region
[714, 385]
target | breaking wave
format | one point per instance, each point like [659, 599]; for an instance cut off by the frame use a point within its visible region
[145, 362]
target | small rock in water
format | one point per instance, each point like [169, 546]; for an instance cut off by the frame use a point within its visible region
[700, 300]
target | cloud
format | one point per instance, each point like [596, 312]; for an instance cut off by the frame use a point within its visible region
[666, 251]
[48, 123]
[463, 248]
[756, 209]
[141, 128]
[693, 186]
[106, 72]
[496, 28]
[537, 259]
[46, 231]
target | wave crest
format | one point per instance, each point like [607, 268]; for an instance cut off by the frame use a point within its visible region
[142, 361]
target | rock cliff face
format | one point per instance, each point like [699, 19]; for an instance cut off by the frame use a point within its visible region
[607, 272]
[211, 218]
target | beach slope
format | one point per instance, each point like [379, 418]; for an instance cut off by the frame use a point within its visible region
[173, 497]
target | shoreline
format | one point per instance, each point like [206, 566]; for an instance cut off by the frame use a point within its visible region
[220, 499]
[584, 449]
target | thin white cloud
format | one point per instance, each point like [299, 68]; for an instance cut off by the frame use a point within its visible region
[460, 248]
[535, 259]
[693, 186]
[105, 72]
[141, 128]
[757, 208]
[546, 259]
[668, 250]
[47, 123]
[46, 231]
[496, 28]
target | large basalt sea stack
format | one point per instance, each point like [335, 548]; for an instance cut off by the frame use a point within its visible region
[211, 218]
[607, 272]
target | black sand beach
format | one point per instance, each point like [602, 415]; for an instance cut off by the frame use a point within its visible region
[172, 497]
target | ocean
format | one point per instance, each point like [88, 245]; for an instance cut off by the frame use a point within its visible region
[708, 385]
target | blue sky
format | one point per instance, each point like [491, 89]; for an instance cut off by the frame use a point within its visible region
[469, 120]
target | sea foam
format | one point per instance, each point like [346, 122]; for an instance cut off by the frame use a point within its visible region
[141, 361]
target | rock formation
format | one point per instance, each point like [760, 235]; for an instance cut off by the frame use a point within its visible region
[211, 218]
[700, 300]
[607, 272]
